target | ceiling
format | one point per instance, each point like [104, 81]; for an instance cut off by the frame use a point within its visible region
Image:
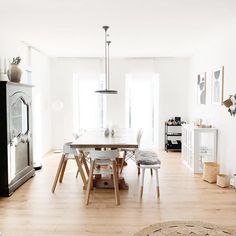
[138, 28]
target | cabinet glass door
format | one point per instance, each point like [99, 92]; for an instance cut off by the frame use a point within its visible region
[206, 148]
[19, 130]
[19, 118]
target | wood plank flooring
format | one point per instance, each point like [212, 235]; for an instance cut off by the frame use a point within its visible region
[34, 211]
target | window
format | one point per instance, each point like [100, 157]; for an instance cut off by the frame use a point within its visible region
[142, 105]
[89, 108]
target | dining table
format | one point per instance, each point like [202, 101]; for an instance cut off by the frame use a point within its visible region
[96, 139]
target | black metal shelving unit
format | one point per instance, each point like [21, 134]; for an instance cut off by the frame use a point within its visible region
[169, 144]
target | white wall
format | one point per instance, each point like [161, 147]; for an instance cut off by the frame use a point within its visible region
[42, 121]
[62, 93]
[214, 54]
[174, 74]
[9, 48]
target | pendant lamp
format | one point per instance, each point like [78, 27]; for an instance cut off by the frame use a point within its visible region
[107, 71]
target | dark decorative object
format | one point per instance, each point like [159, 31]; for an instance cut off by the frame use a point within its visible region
[14, 73]
[231, 104]
[107, 72]
[16, 162]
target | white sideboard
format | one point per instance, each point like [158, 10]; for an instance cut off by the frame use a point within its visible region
[199, 145]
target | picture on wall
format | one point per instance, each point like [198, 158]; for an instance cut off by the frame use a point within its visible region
[201, 88]
[217, 85]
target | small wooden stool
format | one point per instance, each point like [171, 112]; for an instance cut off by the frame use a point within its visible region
[154, 167]
[146, 159]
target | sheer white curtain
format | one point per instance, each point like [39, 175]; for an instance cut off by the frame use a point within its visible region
[89, 108]
[142, 105]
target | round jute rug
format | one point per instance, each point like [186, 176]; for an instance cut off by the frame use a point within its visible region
[184, 228]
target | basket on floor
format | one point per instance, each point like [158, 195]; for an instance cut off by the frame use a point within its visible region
[210, 172]
[223, 181]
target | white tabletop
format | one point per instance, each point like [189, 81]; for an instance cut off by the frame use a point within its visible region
[123, 138]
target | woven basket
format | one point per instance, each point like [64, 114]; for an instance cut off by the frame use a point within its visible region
[210, 172]
[223, 181]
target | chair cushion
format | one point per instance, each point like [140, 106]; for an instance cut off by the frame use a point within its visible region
[146, 158]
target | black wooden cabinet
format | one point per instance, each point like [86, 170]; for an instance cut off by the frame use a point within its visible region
[16, 160]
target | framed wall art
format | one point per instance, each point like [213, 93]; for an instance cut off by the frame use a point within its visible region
[201, 88]
[217, 85]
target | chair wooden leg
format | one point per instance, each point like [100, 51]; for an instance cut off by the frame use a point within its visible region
[83, 159]
[138, 165]
[151, 171]
[115, 180]
[77, 174]
[63, 170]
[80, 170]
[58, 173]
[122, 162]
[142, 183]
[157, 183]
[90, 182]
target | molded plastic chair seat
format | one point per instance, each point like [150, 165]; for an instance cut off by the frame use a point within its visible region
[67, 150]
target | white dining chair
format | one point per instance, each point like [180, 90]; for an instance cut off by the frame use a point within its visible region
[106, 158]
[129, 153]
[68, 154]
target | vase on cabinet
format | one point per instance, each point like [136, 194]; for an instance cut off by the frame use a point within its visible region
[14, 73]
[107, 132]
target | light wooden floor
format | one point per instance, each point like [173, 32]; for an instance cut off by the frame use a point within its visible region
[34, 210]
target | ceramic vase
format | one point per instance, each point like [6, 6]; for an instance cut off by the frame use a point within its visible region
[112, 132]
[14, 74]
[107, 132]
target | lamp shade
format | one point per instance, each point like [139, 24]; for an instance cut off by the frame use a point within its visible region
[106, 91]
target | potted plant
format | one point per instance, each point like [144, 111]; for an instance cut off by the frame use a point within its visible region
[230, 103]
[14, 72]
